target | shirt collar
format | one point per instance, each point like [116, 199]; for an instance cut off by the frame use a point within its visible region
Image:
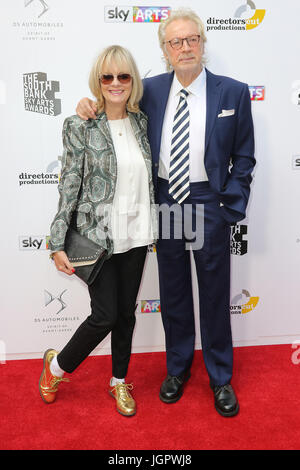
[194, 88]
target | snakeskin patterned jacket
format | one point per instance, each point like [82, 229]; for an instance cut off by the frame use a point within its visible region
[88, 179]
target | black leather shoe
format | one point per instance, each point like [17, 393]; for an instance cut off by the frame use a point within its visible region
[172, 387]
[225, 400]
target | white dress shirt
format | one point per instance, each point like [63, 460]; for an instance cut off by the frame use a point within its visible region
[197, 108]
[131, 214]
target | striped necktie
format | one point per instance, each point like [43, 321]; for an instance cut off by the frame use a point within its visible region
[179, 185]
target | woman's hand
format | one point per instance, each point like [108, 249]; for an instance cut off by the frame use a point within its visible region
[62, 263]
[86, 109]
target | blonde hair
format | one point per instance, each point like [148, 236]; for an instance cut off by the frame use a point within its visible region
[123, 59]
[180, 14]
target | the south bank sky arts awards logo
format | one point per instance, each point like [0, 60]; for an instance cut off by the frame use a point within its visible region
[238, 243]
[39, 94]
[246, 17]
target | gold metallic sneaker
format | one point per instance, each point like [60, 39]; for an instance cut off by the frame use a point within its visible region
[48, 384]
[125, 403]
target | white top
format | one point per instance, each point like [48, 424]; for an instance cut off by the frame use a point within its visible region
[131, 216]
[197, 108]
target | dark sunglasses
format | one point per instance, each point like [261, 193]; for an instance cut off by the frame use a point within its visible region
[108, 78]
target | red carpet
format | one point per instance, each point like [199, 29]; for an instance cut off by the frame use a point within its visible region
[83, 417]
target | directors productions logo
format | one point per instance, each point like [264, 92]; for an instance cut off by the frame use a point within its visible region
[26, 178]
[135, 14]
[50, 176]
[246, 17]
[151, 248]
[39, 94]
[243, 303]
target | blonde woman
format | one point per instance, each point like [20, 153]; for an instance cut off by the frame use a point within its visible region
[106, 178]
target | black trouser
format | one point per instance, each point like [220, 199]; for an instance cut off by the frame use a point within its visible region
[113, 302]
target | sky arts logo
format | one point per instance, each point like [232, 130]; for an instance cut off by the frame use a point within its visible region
[150, 306]
[296, 162]
[246, 17]
[257, 93]
[243, 303]
[139, 14]
[33, 242]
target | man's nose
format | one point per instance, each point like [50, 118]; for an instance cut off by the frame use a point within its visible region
[185, 45]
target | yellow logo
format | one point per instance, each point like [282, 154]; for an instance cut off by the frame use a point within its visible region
[243, 303]
[257, 14]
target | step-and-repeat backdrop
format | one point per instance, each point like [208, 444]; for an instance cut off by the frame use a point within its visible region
[47, 50]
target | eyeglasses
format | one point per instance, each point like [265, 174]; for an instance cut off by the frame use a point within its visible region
[177, 43]
[108, 78]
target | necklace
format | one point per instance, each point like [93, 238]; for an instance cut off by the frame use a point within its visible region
[121, 129]
[119, 125]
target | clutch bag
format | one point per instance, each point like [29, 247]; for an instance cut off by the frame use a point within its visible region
[85, 256]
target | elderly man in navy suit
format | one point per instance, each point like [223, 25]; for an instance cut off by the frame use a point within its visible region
[201, 135]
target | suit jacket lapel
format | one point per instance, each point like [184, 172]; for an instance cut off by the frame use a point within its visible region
[161, 103]
[213, 95]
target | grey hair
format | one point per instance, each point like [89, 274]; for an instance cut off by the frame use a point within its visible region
[180, 14]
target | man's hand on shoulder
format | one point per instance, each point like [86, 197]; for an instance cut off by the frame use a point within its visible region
[86, 109]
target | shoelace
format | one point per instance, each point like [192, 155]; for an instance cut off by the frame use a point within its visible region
[221, 388]
[122, 389]
[54, 383]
